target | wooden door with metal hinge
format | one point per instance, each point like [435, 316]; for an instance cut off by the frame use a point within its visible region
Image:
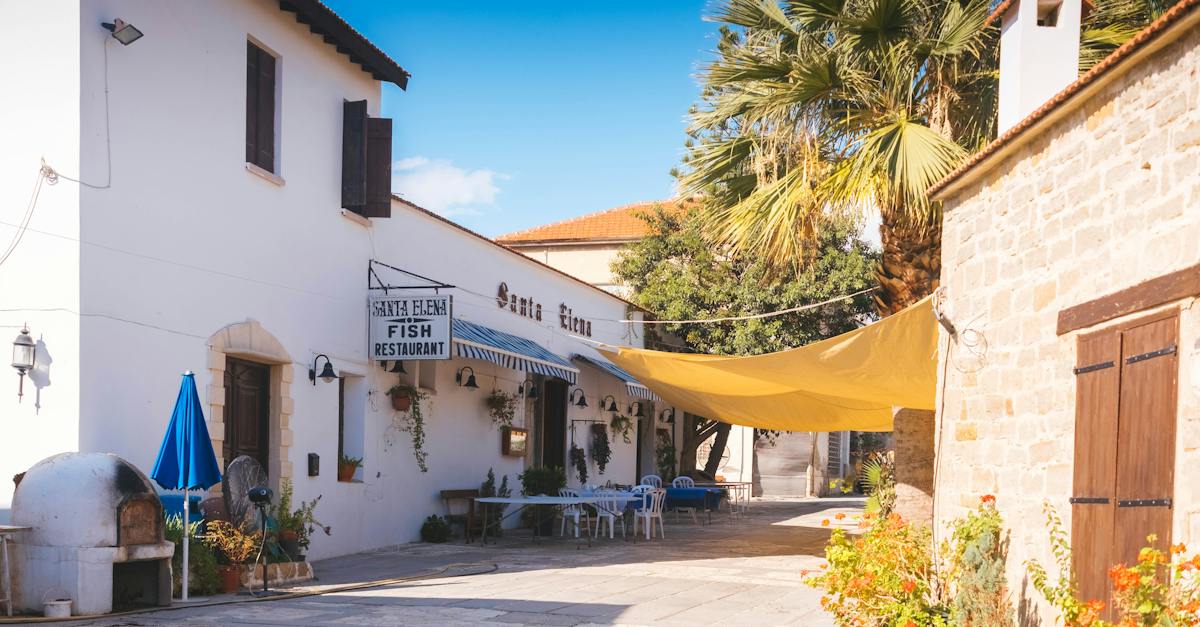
[1125, 405]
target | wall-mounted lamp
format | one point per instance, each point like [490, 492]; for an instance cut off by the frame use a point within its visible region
[24, 356]
[608, 403]
[639, 413]
[122, 31]
[582, 402]
[398, 367]
[327, 373]
[470, 381]
[668, 416]
[527, 389]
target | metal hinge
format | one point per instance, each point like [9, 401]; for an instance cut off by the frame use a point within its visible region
[1144, 503]
[1094, 367]
[1170, 350]
[1089, 500]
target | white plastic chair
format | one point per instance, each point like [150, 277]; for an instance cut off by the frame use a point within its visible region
[609, 509]
[574, 512]
[652, 506]
[653, 481]
[684, 482]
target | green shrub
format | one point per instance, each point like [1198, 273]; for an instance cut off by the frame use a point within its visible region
[203, 579]
[436, 529]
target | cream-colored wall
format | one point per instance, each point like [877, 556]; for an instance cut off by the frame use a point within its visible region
[1103, 200]
[589, 262]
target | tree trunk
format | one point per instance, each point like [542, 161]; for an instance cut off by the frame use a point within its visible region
[713, 464]
[911, 263]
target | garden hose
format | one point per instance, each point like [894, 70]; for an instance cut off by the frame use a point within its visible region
[487, 567]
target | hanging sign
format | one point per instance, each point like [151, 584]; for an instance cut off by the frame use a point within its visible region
[410, 327]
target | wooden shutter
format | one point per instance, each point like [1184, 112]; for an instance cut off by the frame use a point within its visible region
[260, 107]
[1146, 435]
[1097, 382]
[1125, 412]
[379, 168]
[354, 156]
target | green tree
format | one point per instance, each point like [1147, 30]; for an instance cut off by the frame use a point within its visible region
[675, 273]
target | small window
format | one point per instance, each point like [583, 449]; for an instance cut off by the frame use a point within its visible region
[427, 375]
[351, 419]
[1047, 14]
[260, 107]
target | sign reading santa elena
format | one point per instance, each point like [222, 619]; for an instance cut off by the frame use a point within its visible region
[410, 327]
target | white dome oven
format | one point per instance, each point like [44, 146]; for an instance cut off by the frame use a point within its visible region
[97, 535]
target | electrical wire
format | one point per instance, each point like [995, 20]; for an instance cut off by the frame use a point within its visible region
[754, 316]
[23, 227]
[107, 138]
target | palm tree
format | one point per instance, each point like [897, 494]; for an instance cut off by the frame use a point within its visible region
[822, 110]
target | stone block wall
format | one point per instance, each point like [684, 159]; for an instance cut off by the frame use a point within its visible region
[1105, 199]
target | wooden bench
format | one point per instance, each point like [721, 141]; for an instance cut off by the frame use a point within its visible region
[467, 520]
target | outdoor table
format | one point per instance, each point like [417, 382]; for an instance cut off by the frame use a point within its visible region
[558, 502]
[5, 532]
[739, 492]
[706, 498]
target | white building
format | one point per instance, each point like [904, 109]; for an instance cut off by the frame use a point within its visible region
[177, 252]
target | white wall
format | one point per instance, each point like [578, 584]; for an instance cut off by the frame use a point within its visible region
[39, 118]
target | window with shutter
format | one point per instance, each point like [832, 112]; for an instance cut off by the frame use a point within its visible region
[260, 107]
[366, 162]
[1126, 381]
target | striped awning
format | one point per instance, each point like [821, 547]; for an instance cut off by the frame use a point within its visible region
[476, 341]
[632, 386]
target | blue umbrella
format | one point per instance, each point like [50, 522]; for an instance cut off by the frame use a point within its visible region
[186, 460]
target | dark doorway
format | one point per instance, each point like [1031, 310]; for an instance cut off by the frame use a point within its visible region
[554, 423]
[247, 410]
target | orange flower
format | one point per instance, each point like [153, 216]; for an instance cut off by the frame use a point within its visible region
[825, 523]
[987, 499]
[839, 516]
[910, 624]
[1178, 548]
[1123, 578]
[909, 585]
[824, 565]
[1096, 605]
[824, 601]
[1191, 606]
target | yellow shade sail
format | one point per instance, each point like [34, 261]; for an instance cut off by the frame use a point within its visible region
[848, 382]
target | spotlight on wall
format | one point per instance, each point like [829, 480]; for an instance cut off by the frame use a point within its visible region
[608, 403]
[327, 373]
[24, 356]
[398, 367]
[639, 413]
[528, 390]
[470, 380]
[582, 402]
[122, 31]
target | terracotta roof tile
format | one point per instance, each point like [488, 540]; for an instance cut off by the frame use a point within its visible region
[620, 223]
[1144, 38]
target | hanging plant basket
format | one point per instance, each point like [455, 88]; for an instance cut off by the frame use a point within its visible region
[401, 396]
[599, 447]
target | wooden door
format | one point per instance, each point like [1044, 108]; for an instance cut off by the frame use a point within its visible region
[1126, 379]
[554, 423]
[247, 410]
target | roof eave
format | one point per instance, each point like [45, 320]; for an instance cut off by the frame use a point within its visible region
[1170, 26]
[323, 21]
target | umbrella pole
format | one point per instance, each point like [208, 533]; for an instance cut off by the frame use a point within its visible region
[186, 539]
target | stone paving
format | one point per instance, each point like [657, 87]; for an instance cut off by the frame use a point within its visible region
[728, 573]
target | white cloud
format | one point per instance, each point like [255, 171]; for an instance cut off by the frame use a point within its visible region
[444, 188]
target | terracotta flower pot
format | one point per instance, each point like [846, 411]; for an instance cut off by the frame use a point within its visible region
[231, 578]
[401, 402]
[346, 472]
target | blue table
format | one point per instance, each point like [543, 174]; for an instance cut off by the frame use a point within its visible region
[708, 499]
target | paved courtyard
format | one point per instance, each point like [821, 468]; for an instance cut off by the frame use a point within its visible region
[728, 573]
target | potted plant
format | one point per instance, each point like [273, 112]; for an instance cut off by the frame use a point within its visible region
[543, 480]
[623, 425]
[665, 458]
[235, 546]
[502, 407]
[402, 396]
[435, 529]
[295, 526]
[492, 514]
[579, 463]
[347, 466]
[599, 448]
[414, 422]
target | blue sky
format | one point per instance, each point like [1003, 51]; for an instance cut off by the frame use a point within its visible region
[525, 112]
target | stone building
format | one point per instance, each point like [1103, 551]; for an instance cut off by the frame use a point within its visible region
[1071, 271]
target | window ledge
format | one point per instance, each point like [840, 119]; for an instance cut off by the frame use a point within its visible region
[352, 481]
[265, 175]
[355, 218]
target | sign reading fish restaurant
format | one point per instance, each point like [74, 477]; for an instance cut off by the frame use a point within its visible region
[410, 327]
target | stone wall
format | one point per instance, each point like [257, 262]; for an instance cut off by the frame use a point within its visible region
[1105, 199]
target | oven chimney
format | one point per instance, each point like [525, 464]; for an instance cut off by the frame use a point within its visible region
[1039, 54]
